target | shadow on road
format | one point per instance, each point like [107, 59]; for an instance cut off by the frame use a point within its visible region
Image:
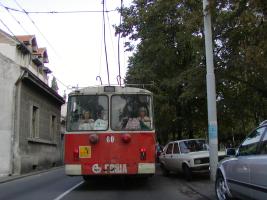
[158, 187]
[197, 177]
[115, 183]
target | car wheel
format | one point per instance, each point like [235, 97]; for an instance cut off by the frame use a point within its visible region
[220, 188]
[164, 170]
[187, 172]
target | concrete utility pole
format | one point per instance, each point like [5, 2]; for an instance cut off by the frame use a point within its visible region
[211, 92]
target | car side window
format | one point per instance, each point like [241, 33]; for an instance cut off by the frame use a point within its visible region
[264, 145]
[249, 146]
[169, 149]
[176, 148]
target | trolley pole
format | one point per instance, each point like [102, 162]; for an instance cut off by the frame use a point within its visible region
[211, 93]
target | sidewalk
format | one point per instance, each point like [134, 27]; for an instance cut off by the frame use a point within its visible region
[203, 187]
[5, 179]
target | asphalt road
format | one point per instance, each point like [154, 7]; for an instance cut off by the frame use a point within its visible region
[55, 185]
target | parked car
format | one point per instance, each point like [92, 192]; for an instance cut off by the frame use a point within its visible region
[158, 151]
[244, 175]
[188, 156]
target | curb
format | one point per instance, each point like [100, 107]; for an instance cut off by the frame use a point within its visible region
[197, 190]
[6, 179]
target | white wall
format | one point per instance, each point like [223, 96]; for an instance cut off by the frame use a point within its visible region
[9, 73]
[8, 50]
[11, 51]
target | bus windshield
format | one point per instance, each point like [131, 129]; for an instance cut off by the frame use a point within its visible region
[131, 112]
[89, 112]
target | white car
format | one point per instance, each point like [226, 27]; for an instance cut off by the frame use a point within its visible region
[187, 156]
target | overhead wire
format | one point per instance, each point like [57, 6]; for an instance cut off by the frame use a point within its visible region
[104, 11]
[14, 18]
[101, 49]
[119, 36]
[9, 30]
[21, 43]
[57, 12]
[67, 87]
[105, 43]
[33, 22]
[110, 34]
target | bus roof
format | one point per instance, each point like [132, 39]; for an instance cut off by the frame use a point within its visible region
[109, 90]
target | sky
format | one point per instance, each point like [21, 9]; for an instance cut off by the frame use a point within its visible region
[74, 41]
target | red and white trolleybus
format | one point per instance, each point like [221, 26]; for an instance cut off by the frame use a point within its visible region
[110, 131]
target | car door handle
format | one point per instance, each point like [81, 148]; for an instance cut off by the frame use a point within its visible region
[245, 168]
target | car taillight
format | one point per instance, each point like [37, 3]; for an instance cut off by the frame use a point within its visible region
[143, 153]
[76, 154]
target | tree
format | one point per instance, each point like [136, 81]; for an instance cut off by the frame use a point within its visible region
[54, 84]
[168, 44]
[170, 55]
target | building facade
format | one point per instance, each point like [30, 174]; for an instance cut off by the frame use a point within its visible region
[30, 110]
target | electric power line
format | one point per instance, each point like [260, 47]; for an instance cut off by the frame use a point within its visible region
[7, 28]
[119, 36]
[101, 48]
[56, 12]
[14, 36]
[105, 44]
[110, 34]
[14, 18]
[67, 87]
[32, 21]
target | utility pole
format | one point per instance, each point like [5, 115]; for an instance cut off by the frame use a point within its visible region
[211, 93]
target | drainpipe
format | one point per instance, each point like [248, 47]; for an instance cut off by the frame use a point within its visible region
[15, 162]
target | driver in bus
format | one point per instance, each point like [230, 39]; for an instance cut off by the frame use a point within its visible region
[87, 123]
[144, 120]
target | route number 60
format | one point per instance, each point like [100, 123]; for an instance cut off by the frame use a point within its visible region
[110, 139]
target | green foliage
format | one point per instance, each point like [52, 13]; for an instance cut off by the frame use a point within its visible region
[168, 43]
[54, 84]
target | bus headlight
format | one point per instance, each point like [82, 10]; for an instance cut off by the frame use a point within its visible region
[126, 138]
[94, 138]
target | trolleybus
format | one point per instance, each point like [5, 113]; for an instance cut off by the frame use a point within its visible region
[110, 131]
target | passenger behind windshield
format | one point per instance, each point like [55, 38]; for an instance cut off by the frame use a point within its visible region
[131, 112]
[142, 122]
[87, 123]
[87, 113]
[101, 123]
[145, 122]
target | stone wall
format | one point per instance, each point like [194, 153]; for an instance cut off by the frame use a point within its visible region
[41, 150]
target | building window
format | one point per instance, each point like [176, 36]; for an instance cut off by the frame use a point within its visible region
[53, 126]
[35, 122]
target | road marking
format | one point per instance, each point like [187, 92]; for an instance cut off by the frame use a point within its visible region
[68, 191]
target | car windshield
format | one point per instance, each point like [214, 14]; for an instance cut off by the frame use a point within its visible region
[88, 112]
[188, 146]
[131, 112]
